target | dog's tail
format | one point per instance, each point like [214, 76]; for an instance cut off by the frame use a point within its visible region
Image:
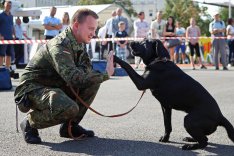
[229, 128]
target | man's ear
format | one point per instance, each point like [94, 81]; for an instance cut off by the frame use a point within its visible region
[75, 26]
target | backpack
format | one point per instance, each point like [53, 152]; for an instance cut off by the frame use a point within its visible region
[5, 79]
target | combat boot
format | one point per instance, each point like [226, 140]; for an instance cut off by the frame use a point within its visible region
[76, 130]
[30, 134]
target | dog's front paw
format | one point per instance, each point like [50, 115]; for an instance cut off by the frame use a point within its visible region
[187, 147]
[194, 146]
[189, 139]
[164, 138]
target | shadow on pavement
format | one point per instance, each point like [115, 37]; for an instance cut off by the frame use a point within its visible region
[219, 149]
[105, 146]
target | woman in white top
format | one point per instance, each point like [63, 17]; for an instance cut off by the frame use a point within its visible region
[230, 40]
[65, 21]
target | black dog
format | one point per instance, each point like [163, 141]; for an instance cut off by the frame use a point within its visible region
[166, 82]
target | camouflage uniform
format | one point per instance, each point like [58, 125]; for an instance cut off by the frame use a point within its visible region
[60, 62]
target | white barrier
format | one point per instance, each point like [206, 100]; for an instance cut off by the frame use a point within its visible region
[106, 39]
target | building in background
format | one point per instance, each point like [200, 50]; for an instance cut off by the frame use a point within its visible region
[103, 11]
[40, 3]
[150, 7]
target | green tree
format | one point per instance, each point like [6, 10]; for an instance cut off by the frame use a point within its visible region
[183, 10]
[224, 13]
[1, 6]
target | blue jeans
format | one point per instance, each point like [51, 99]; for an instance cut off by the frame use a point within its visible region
[121, 53]
[231, 50]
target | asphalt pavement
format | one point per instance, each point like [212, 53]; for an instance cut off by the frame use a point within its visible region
[135, 134]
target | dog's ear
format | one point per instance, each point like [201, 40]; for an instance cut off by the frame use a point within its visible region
[160, 50]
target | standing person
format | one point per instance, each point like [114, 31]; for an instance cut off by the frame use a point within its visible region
[194, 31]
[121, 46]
[157, 26]
[230, 40]
[109, 30]
[217, 29]
[180, 32]
[6, 33]
[52, 24]
[45, 86]
[103, 45]
[170, 31]
[119, 18]
[65, 21]
[19, 35]
[141, 28]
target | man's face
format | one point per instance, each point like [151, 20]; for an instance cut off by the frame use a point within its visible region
[216, 17]
[159, 15]
[7, 6]
[119, 12]
[18, 21]
[53, 12]
[142, 16]
[85, 31]
[192, 21]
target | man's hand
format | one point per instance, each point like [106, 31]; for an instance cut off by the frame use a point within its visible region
[110, 64]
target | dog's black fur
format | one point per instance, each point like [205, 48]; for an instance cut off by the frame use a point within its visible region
[167, 83]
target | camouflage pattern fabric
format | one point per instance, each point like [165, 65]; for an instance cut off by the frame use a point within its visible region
[59, 62]
[51, 106]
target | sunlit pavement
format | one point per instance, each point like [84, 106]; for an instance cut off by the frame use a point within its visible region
[134, 134]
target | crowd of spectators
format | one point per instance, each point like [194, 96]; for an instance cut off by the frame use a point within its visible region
[189, 50]
[118, 26]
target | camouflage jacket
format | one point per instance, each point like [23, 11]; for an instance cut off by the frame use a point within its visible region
[59, 62]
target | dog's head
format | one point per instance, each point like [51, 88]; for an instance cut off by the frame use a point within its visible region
[149, 50]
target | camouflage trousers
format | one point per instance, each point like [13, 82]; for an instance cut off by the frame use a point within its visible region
[51, 106]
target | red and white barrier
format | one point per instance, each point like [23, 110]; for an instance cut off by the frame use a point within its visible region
[105, 39]
[22, 41]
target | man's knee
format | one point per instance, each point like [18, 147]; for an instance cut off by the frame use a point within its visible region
[55, 100]
[71, 112]
[61, 102]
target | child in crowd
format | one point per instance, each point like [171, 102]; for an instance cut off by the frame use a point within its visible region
[121, 45]
[180, 32]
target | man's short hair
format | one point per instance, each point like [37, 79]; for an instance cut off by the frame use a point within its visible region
[140, 13]
[81, 14]
[3, 2]
[53, 7]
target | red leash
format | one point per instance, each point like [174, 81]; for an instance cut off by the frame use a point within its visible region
[82, 136]
[110, 116]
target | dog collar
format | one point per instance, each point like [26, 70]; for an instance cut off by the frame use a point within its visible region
[164, 59]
